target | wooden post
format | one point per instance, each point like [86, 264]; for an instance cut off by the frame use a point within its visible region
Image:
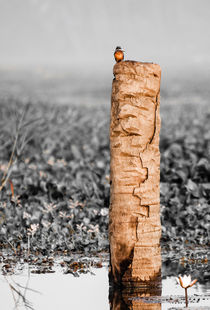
[134, 228]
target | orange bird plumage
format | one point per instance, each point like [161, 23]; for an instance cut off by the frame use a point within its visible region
[118, 54]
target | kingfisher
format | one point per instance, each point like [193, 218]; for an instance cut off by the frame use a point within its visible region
[119, 54]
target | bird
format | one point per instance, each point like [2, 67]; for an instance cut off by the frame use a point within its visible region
[119, 54]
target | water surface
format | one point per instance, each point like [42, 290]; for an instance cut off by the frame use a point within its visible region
[64, 291]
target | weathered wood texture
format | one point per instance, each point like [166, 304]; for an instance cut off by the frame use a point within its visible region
[134, 228]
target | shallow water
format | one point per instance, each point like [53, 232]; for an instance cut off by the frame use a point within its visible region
[64, 291]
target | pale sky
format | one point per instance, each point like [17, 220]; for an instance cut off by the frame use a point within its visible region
[77, 32]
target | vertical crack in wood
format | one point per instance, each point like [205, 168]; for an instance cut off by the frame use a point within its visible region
[142, 166]
[137, 223]
[155, 121]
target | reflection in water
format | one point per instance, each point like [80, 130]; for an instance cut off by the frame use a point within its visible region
[170, 296]
[64, 291]
[129, 298]
[19, 292]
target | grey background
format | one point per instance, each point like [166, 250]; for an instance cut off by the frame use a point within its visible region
[70, 44]
[68, 32]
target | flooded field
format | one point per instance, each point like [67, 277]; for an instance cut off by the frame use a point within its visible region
[57, 201]
[89, 288]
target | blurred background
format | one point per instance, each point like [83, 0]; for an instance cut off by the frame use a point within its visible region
[58, 55]
[63, 50]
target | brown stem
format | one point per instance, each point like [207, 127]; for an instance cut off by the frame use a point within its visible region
[186, 298]
[11, 160]
[6, 173]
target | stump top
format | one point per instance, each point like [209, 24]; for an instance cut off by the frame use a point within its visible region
[137, 68]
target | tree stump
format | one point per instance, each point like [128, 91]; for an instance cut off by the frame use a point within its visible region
[134, 228]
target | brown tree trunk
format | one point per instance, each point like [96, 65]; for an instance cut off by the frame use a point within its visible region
[134, 228]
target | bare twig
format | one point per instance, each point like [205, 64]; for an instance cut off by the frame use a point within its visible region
[13, 295]
[28, 288]
[28, 252]
[12, 160]
[26, 302]
[12, 247]
[22, 296]
[8, 171]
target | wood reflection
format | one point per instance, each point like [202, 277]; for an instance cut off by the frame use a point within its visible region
[136, 298]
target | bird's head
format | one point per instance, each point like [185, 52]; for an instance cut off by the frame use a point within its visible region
[118, 48]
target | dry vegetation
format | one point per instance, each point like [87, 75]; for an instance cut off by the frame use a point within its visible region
[56, 196]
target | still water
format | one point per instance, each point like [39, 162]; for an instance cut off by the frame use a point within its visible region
[91, 291]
